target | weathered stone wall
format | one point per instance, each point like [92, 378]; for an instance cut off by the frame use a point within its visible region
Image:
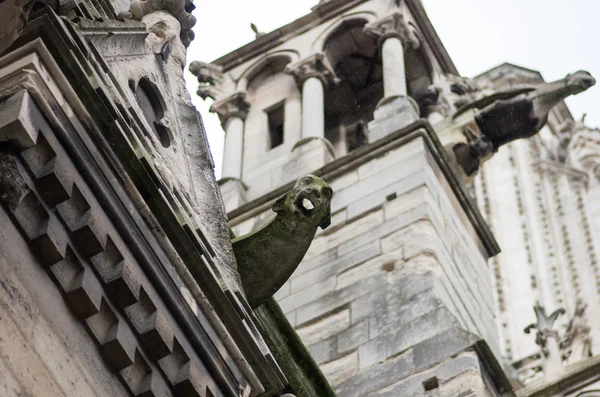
[397, 285]
[44, 349]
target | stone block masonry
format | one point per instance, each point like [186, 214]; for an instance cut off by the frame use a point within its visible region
[393, 296]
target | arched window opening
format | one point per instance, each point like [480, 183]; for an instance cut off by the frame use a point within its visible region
[152, 105]
[349, 106]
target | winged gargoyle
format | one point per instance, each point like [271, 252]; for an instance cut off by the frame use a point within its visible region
[516, 113]
[267, 257]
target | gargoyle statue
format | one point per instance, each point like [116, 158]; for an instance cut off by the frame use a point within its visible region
[267, 257]
[520, 112]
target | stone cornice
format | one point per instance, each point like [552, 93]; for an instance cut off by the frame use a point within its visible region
[394, 25]
[234, 105]
[314, 66]
[326, 12]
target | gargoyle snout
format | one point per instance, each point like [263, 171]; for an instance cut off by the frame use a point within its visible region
[581, 79]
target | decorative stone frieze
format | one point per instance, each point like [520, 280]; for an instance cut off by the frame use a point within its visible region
[235, 105]
[316, 65]
[394, 25]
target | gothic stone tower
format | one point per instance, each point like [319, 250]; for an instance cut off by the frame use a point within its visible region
[397, 297]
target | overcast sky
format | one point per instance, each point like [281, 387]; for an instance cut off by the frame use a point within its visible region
[555, 37]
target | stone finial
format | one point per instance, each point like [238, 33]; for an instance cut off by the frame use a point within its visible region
[235, 105]
[209, 78]
[314, 66]
[394, 25]
[257, 32]
[267, 257]
[577, 339]
[547, 339]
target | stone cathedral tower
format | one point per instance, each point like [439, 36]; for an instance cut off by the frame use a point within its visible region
[407, 292]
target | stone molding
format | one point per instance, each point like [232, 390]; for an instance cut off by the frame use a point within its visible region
[235, 105]
[394, 25]
[317, 66]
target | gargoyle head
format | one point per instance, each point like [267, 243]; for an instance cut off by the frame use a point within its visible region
[309, 201]
[580, 81]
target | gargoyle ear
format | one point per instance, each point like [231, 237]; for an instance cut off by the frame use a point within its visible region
[326, 221]
[280, 203]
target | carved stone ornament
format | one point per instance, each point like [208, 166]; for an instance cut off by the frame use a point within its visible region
[209, 78]
[267, 257]
[180, 9]
[577, 338]
[235, 105]
[547, 339]
[394, 25]
[314, 66]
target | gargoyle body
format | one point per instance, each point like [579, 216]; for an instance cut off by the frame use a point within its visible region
[522, 112]
[267, 257]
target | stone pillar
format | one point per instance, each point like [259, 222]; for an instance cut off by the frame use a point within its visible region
[234, 146]
[396, 109]
[313, 150]
[232, 112]
[313, 108]
[313, 74]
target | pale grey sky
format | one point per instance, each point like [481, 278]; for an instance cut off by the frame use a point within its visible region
[556, 37]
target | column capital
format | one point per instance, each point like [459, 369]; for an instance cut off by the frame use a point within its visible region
[314, 66]
[394, 25]
[234, 105]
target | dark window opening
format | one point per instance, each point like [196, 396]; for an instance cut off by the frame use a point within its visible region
[355, 136]
[276, 121]
[151, 104]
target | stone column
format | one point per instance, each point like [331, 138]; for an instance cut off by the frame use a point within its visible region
[234, 146]
[396, 109]
[313, 108]
[313, 74]
[313, 150]
[232, 112]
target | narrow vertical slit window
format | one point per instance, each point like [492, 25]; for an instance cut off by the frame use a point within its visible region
[276, 119]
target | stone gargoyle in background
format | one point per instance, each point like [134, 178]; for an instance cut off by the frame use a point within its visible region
[515, 113]
[267, 257]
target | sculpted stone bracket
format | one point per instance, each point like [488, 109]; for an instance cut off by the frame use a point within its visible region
[316, 65]
[235, 105]
[394, 25]
[209, 76]
[267, 257]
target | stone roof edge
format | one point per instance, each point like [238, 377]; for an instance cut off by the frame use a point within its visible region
[324, 13]
[366, 153]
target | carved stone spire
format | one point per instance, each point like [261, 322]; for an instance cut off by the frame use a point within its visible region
[394, 25]
[313, 66]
